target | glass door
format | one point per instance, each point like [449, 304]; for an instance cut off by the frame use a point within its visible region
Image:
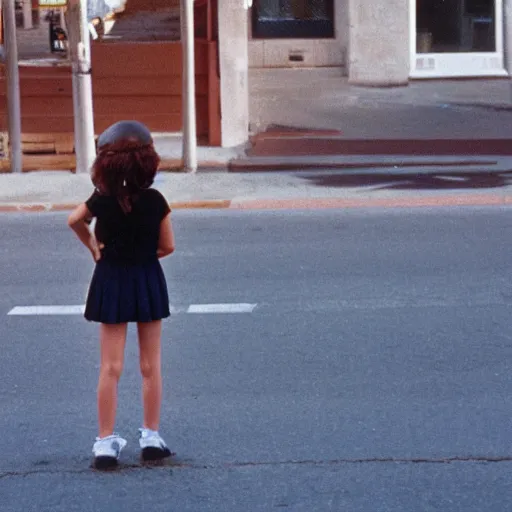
[456, 38]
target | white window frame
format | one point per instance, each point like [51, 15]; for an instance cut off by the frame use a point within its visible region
[439, 65]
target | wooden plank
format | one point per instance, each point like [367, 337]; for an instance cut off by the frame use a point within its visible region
[63, 68]
[49, 162]
[42, 124]
[142, 59]
[65, 143]
[42, 86]
[215, 20]
[46, 106]
[170, 123]
[214, 112]
[46, 86]
[209, 21]
[136, 86]
[156, 123]
[201, 19]
[38, 147]
[42, 162]
[60, 143]
[144, 84]
[41, 71]
[42, 137]
[66, 163]
[132, 106]
[140, 86]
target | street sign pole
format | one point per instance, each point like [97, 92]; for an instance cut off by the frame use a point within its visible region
[188, 93]
[13, 86]
[80, 53]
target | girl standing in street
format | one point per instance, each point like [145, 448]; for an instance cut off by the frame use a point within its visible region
[133, 230]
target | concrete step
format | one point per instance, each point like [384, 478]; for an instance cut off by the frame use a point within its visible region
[361, 164]
[296, 145]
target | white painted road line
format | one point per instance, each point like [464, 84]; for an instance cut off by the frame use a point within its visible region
[46, 310]
[79, 310]
[221, 308]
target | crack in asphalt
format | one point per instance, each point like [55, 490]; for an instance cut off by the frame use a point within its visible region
[122, 468]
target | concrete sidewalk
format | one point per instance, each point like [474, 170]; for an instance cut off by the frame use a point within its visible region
[324, 99]
[313, 118]
[301, 112]
[479, 183]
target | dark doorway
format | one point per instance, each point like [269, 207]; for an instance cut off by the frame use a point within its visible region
[293, 19]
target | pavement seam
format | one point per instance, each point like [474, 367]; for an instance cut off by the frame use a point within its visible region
[248, 464]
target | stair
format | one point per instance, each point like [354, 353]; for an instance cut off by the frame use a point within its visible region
[162, 25]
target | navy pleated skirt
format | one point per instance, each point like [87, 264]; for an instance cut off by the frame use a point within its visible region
[123, 292]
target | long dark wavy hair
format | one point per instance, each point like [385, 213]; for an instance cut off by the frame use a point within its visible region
[123, 169]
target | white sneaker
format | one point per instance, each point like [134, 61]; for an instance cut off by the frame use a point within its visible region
[152, 445]
[106, 451]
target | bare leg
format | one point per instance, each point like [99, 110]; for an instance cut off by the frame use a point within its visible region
[150, 368]
[112, 343]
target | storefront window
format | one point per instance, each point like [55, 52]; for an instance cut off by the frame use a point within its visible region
[293, 18]
[455, 26]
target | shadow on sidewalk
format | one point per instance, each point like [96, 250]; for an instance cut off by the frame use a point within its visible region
[439, 181]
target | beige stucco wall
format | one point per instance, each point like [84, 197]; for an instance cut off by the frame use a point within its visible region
[233, 57]
[508, 35]
[275, 53]
[378, 42]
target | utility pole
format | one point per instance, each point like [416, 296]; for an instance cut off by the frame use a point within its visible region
[13, 86]
[189, 89]
[80, 52]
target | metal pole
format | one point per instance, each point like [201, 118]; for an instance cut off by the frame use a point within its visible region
[63, 19]
[13, 86]
[80, 52]
[189, 92]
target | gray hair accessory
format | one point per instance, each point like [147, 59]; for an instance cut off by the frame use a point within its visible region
[125, 130]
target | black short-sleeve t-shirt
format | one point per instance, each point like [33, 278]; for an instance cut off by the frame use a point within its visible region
[129, 236]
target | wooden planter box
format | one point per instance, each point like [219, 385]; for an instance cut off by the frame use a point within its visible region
[131, 80]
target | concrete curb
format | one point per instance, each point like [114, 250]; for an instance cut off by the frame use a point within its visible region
[66, 163]
[273, 164]
[214, 204]
[296, 203]
[64, 207]
[279, 162]
[397, 202]
[364, 148]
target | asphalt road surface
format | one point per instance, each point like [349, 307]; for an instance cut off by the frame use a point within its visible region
[316, 360]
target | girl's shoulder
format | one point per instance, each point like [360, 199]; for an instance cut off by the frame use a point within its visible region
[97, 202]
[156, 201]
[154, 194]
